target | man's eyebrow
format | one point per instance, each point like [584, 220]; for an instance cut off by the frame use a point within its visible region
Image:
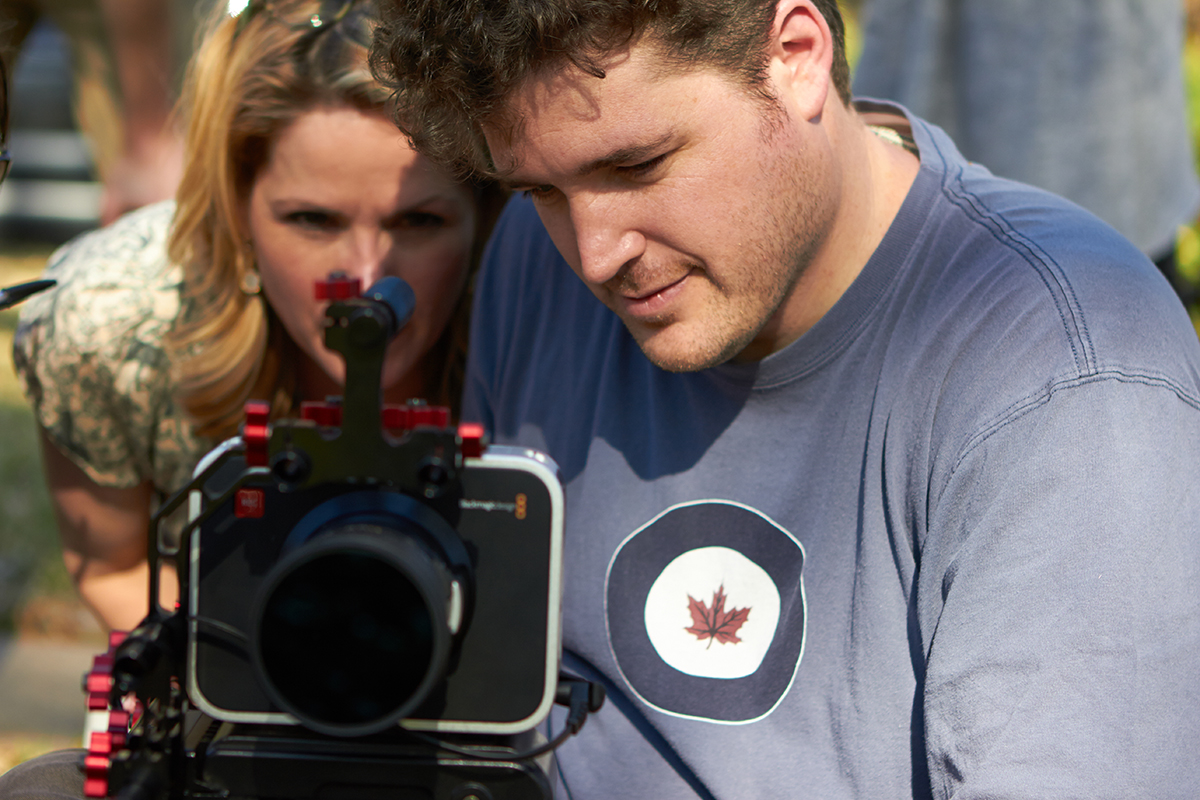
[627, 156]
[623, 156]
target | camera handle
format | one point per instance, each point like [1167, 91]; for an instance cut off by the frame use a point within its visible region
[360, 329]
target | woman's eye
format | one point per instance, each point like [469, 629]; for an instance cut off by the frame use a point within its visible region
[315, 220]
[422, 220]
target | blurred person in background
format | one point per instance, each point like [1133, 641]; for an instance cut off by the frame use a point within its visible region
[4, 157]
[1081, 97]
[165, 323]
[12, 295]
[127, 56]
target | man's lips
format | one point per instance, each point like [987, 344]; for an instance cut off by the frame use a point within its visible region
[653, 303]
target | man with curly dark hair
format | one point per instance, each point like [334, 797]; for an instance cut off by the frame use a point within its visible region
[881, 471]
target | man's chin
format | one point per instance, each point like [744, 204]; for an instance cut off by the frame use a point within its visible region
[675, 348]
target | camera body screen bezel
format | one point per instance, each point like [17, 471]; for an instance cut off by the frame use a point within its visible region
[505, 665]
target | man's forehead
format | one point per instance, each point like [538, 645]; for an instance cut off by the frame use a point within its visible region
[561, 87]
[566, 96]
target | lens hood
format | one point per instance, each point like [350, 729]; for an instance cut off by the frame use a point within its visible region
[351, 631]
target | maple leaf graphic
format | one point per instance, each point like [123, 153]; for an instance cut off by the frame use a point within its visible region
[715, 623]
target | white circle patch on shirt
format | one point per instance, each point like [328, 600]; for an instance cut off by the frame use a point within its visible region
[712, 613]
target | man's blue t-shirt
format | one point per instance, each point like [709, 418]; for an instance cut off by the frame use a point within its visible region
[947, 543]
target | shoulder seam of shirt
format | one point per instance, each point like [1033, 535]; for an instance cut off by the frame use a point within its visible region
[1033, 401]
[1048, 270]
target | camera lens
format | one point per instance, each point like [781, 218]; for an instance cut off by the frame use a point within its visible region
[352, 630]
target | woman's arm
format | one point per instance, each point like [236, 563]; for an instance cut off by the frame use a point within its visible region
[103, 532]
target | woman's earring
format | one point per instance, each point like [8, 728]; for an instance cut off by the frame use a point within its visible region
[251, 283]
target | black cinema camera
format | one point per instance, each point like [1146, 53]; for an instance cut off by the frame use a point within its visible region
[369, 607]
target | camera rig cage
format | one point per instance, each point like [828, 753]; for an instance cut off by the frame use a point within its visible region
[369, 607]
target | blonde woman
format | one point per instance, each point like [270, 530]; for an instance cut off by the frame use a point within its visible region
[165, 323]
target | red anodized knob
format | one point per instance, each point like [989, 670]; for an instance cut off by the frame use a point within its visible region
[96, 765]
[338, 286]
[407, 417]
[471, 435]
[255, 432]
[325, 414]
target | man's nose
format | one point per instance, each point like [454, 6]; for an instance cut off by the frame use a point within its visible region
[606, 234]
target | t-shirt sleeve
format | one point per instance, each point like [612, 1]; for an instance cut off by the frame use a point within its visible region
[89, 352]
[1059, 600]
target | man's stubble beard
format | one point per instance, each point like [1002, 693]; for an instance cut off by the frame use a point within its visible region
[793, 225]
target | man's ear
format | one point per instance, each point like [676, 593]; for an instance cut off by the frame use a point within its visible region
[801, 53]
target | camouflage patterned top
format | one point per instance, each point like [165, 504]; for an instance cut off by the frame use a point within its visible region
[90, 357]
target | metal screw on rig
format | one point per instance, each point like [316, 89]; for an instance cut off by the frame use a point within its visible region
[472, 791]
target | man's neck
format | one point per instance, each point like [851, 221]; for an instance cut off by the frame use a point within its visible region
[881, 170]
[874, 175]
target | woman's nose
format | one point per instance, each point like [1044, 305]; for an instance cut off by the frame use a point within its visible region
[368, 256]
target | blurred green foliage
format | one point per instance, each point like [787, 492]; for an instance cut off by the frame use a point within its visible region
[1187, 253]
